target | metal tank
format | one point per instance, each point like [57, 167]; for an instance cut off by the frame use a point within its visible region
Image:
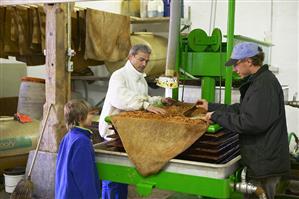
[16, 140]
[158, 44]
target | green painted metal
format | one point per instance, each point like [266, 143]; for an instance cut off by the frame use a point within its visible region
[213, 128]
[204, 64]
[198, 40]
[15, 143]
[230, 40]
[175, 93]
[144, 188]
[216, 39]
[292, 134]
[108, 119]
[208, 88]
[203, 186]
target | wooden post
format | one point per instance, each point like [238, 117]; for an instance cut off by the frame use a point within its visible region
[58, 79]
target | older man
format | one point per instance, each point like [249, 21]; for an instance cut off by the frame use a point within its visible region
[127, 91]
[259, 119]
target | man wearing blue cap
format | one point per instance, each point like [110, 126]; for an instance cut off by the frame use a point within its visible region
[259, 119]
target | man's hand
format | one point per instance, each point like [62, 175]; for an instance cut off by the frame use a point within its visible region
[168, 101]
[202, 104]
[155, 109]
[208, 117]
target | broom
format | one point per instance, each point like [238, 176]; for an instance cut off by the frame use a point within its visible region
[24, 188]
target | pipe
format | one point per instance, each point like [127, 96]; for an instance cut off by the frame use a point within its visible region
[188, 74]
[248, 188]
[230, 43]
[212, 16]
[70, 52]
[272, 16]
[173, 37]
[292, 134]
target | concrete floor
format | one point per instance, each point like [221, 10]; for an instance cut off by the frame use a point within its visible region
[157, 194]
[132, 194]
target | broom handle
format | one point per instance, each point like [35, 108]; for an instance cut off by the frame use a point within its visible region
[39, 141]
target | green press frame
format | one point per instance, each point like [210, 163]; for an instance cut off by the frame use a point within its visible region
[208, 65]
[195, 185]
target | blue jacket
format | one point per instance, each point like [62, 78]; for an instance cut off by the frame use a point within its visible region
[76, 173]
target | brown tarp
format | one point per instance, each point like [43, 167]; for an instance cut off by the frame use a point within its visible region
[19, 25]
[35, 31]
[2, 28]
[107, 36]
[28, 32]
[151, 140]
[42, 26]
[22, 34]
[78, 44]
[10, 41]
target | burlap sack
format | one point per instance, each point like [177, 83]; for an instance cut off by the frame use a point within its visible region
[107, 36]
[151, 140]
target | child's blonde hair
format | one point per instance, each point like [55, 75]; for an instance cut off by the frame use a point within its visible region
[75, 111]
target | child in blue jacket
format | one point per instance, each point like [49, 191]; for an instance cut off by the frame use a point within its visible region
[76, 173]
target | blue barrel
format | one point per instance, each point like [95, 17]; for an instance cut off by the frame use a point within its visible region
[166, 8]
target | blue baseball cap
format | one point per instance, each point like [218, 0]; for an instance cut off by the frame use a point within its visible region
[241, 51]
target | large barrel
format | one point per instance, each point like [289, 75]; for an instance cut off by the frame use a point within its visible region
[16, 140]
[130, 8]
[158, 44]
[11, 73]
[32, 97]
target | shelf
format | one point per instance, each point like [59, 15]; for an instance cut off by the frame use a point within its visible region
[22, 2]
[138, 20]
[90, 78]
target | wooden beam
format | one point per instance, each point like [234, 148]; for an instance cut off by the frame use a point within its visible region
[57, 78]
[22, 2]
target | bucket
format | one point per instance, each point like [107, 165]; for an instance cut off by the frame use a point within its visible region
[32, 97]
[166, 8]
[12, 178]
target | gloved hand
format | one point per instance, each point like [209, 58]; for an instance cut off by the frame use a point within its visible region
[202, 103]
[208, 117]
[155, 109]
[168, 101]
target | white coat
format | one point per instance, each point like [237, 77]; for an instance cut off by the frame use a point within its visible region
[127, 91]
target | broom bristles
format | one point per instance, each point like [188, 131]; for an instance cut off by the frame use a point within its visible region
[23, 190]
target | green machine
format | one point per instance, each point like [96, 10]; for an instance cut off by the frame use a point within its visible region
[188, 177]
[203, 56]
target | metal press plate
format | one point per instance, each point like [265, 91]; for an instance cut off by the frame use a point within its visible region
[218, 171]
